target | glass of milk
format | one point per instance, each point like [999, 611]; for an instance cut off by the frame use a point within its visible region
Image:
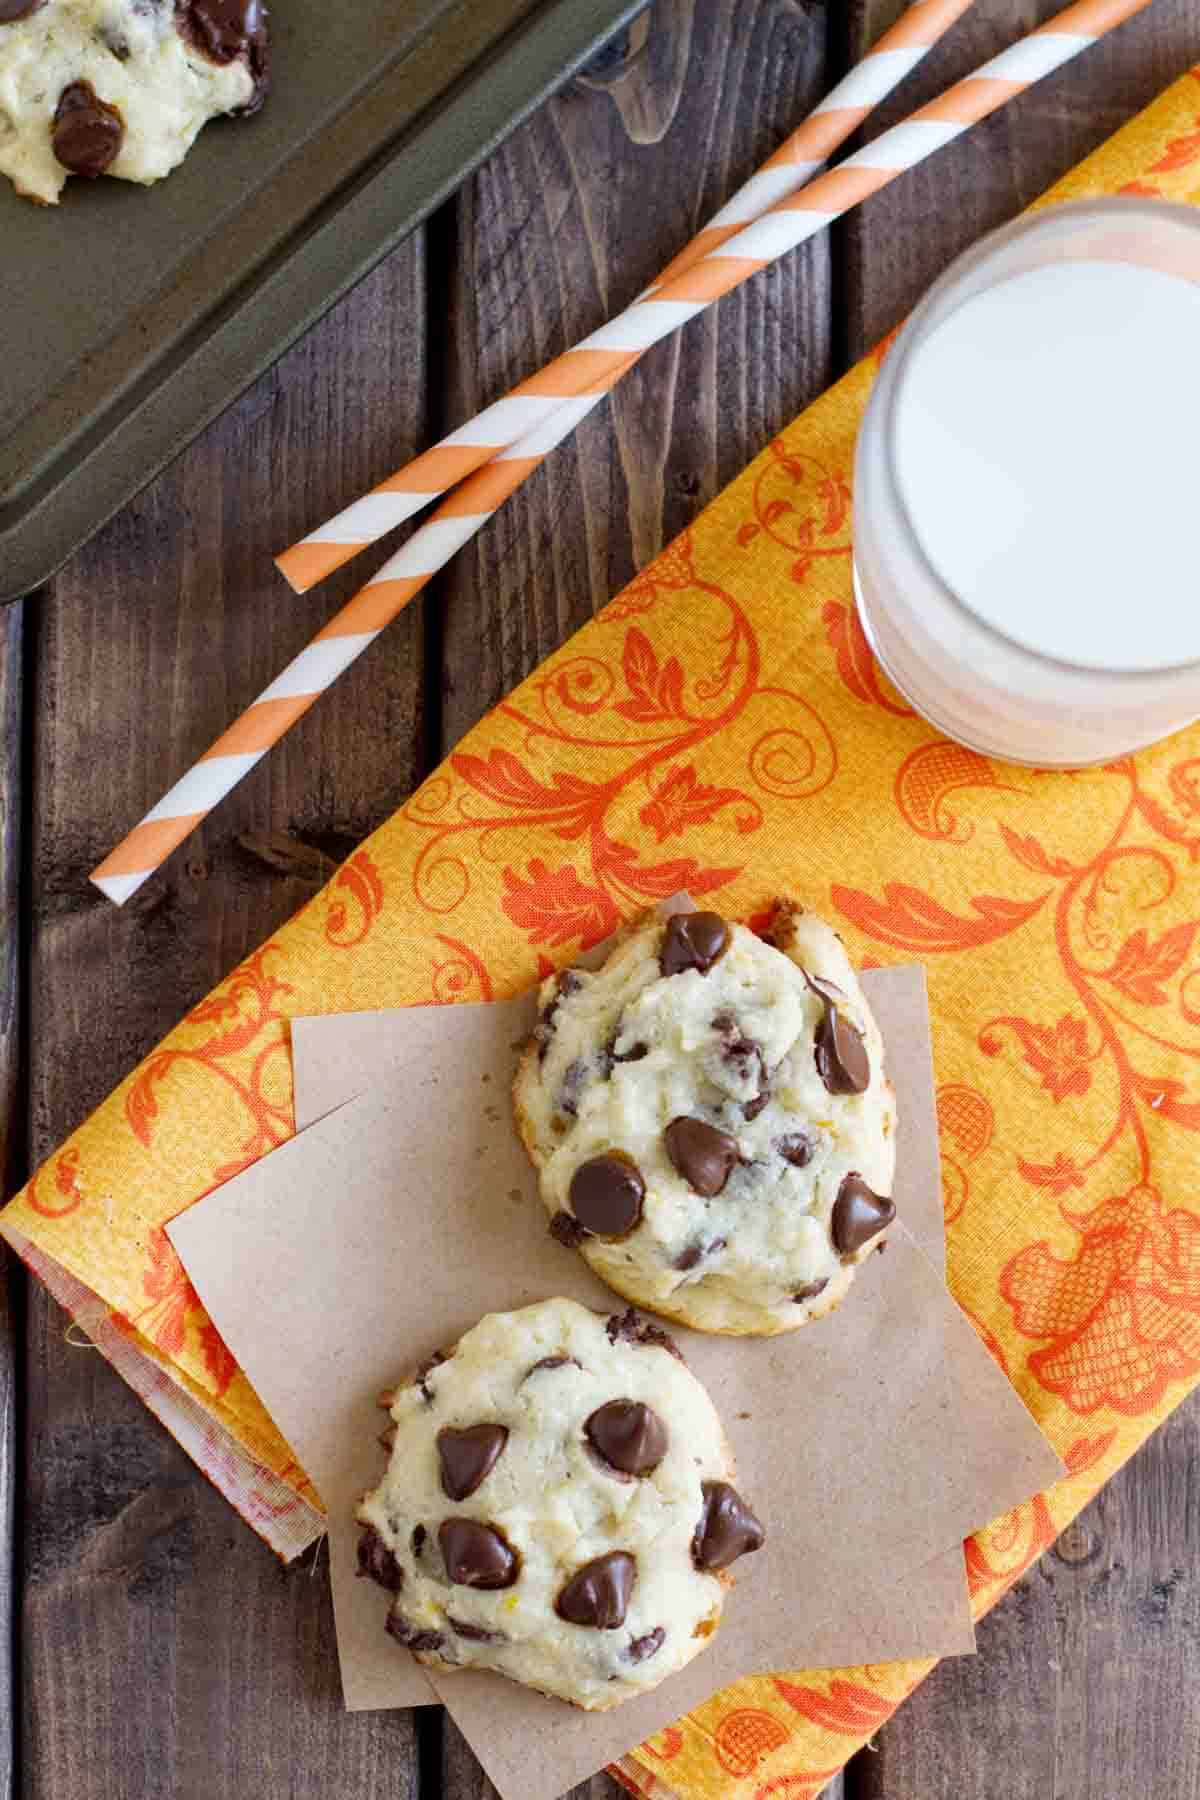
[1027, 489]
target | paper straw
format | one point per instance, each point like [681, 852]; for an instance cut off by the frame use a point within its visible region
[458, 518]
[436, 470]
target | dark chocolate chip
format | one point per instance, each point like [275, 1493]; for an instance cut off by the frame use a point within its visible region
[572, 1083]
[421, 1378]
[840, 1051]
[567, 1230]
[692, 941]
[752, 1108]
[702, 1154]
[406, 1633]
[610, 1056]
[628, 1436]
[553, 1362]
[378, 1562]
[695, 1253]
[12, 10]
[598, 1593]
[468, 1456]
[606, 1195]
[476, 1634]
[87, 133]
[796, 1148]
[566, 984]
[639, 1650]
[745, 1055]
[418, 1539]
[727, 1528]
[114, 43]
[810, 1290]
[477, 1555]
[226, 30]
[629, 1327]
[858, 1214]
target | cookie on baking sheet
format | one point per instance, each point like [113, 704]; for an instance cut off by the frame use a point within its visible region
[120, 87]
[711, 1121]
[558, 1506]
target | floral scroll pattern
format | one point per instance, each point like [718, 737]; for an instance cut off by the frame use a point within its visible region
[645, 723]
[235, 1037]
[1122, 1313]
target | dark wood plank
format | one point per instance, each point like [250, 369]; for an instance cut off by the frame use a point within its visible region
[1086, 1682]
[11, 1133]
[164, 1650]
[568, 222]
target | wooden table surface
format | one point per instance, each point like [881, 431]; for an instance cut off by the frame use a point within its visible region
[154, 1647]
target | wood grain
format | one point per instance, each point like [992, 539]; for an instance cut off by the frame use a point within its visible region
[12, 639]
[897, 243]
[1086, 1681]
[164, 1651]
[568, 222]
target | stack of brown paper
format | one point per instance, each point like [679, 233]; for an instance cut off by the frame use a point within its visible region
[870, 1443]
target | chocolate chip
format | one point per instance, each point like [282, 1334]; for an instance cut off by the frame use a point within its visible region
[727, 1528]
[572, 1082]
[629, 1327]
[610, 1056]
[628, 1436]
[606, 1195]
[695, 1253]
[406, 1633]
[378, 1562]
[554, 1362]
[87, 133]
[12, 10]
[796, 1148]
[566, 984]
[418, 1539]
[421, 1378]
[113, 42]
[752, 1108]
[839, 1051]
[226, 30]
[692, 941]
[476, 1634]
[598, 1593]
[477, 1555]
[640, 1650]
[567, 1230]
[702, 1154]
[468, 1456]
[810, 1290]
[858, 1214]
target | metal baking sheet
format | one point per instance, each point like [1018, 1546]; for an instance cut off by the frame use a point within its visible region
[130, 317]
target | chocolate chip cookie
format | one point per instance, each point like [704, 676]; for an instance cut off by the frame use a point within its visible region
[120, 87]
[711, 1121]
[558, 1506]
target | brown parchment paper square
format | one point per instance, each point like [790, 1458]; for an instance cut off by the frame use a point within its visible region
[869, 1442]
[339, 1058]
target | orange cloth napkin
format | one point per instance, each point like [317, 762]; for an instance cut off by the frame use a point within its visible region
[722, 727]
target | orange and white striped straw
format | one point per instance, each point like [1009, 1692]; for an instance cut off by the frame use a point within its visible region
[528, 406]
[611, 351]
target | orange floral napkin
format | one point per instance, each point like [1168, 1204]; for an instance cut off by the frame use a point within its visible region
[722, 727]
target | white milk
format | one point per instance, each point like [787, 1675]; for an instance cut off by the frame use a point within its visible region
[1027, 488]
[1047, 447]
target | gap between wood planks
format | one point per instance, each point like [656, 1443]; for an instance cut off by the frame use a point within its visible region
[14, 923]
